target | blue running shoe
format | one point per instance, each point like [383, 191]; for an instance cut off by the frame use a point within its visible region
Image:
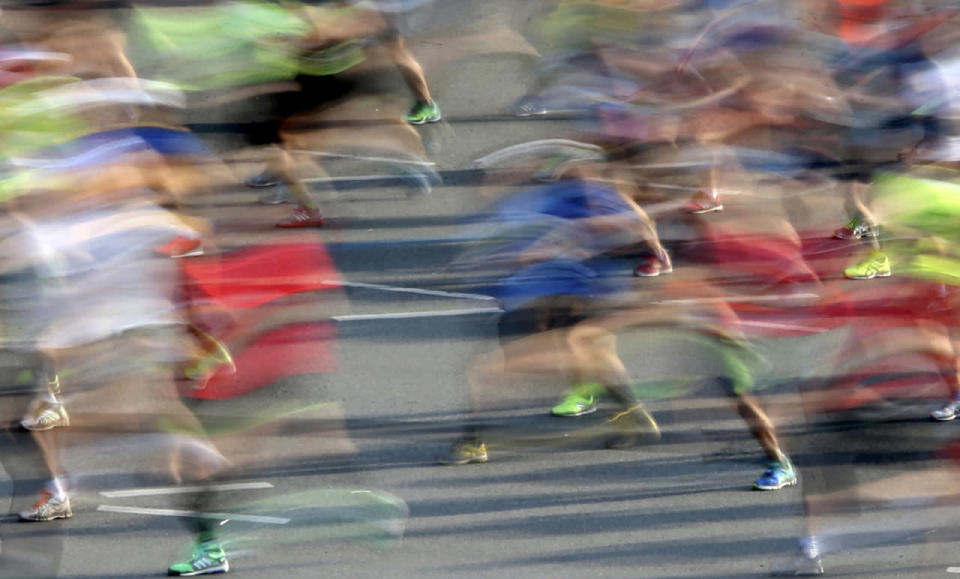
[779, 474]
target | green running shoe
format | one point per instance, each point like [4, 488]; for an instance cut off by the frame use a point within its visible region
[208, 558]
[575, 403]
[875, 265]
[422, 113]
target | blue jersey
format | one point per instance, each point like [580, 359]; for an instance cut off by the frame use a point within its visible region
[556, 212]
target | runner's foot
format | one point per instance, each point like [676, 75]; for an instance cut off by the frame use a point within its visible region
[422, 113]
[302, 217]
[207, 558]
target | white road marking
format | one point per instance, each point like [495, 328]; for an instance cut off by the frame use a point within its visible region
[365, 158]
[356, 179]
[760, 298]
[779, 326]
[953, 569]
[409, 290]
[181, 490]
[656, 185]
[673, 165]
[192, 514]
[410, 315]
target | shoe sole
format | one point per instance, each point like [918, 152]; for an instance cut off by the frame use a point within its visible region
[424, 122]
[791, 483]
[704, 211]
[261, 184]
[864, 277]
[462, 462]
[191, 253]
[218, 570]
[42, 428]
[657, 274]
[24, 519]
[574, 414]
[536, 113]
[944, 419]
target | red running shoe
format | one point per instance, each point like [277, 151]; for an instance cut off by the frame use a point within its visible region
[653, 266]
[181, 247]
[703, 203]
[302, 217]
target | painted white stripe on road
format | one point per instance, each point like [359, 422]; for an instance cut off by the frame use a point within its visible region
[181, 490]
[673, 165]
[414, 315]
[779, 326]
[472, 311]
[357, 179]
[365, 158]
[738, 299]
[669, 186]
[409, 290]
[953, 569]
[192, 514]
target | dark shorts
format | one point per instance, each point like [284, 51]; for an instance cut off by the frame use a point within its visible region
[541, 315]
[314, 93]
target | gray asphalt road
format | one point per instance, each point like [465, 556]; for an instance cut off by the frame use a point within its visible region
[354, 466]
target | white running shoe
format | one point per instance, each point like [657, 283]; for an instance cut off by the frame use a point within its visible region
[948, 412]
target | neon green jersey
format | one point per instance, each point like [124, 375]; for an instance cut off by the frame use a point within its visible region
[237, 43]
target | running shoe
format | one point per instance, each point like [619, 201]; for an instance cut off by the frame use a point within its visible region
[652, 266]
[875, 265]
[276, 196]
[422, 113]
[46, 416]
[856, 228]
[703, 203]
[47, 508]
[181, 246]
[636, 426]
[467, 450]
[529, 106]
[575, 403]
[264, 179]
[779, 474]
[208, 558]
[214, 357]
[302, 217]
[948, 412]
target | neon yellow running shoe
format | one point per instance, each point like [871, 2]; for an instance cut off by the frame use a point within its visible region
[575, 403]
[875, 265]
[467, 450]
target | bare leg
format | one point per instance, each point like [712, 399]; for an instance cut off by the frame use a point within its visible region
[410, 69]
[760, 425]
